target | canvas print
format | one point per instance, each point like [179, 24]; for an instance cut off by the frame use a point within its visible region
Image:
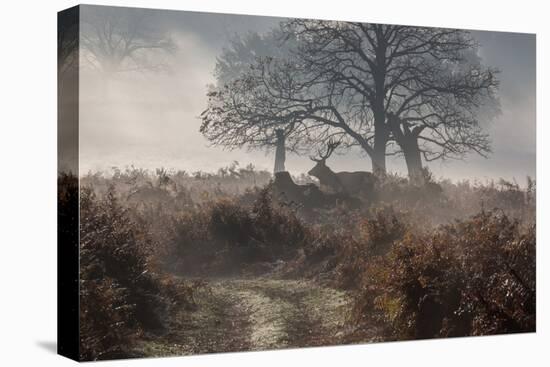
[241, 183]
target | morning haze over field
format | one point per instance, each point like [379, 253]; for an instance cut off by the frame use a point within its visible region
[385, 187]
[150, 118]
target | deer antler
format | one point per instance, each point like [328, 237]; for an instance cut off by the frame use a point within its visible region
[331, 147]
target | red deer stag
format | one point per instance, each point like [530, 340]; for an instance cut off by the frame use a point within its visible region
[351, 183]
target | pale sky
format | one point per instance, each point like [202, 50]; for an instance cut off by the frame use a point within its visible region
[151, 120]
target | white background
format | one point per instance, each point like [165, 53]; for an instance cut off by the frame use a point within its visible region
[28, 182]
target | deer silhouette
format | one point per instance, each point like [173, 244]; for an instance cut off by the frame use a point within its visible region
[351, 183]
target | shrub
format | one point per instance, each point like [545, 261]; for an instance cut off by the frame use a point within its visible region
[120, 296]
[474, 277]
[278, 227]
[376, 234]
[223, 235]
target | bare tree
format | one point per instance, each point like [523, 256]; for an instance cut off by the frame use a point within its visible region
[241, 110]
[435, 111]
[441, 127]
[343, 80]
[259, 93]
[123, 40]
[418, 74]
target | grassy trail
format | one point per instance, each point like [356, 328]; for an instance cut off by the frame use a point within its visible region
[255, 314]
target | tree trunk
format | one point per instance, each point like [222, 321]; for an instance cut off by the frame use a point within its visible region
[378, 158]
[413, 159]
[407, 139]
[280, 154]
[381, 136]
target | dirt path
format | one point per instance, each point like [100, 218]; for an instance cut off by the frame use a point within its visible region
[256, 314]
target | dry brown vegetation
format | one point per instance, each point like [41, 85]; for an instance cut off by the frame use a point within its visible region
[471, 277]
[443, 259]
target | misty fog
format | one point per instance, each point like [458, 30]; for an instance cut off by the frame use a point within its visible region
[151, 119]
